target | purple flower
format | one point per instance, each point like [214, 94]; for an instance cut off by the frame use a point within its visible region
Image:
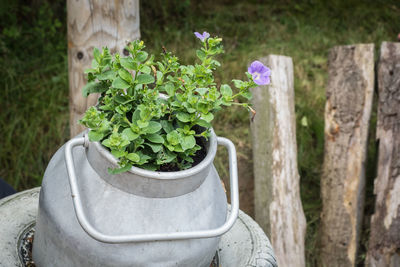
[260, 73]
[203, 36]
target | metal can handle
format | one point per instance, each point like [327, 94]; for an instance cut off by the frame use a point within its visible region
[90, 230]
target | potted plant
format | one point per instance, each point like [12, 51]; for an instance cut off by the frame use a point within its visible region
[144, 179]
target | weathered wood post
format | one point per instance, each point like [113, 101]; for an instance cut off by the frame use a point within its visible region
[347, 114]
[95, 23]
[278, 207]
[384, 242]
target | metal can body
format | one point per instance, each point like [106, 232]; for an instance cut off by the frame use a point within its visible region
[132, 203]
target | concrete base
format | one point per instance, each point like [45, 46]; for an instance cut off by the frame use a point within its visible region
[245, 245]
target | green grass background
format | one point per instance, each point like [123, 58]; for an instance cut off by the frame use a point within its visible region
[34, 78]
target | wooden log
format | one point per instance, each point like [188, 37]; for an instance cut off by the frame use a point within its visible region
[384, 242]
[278, 207]
[347, 115]
[95, 23]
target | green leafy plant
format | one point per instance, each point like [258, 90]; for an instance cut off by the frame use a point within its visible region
[154, 114]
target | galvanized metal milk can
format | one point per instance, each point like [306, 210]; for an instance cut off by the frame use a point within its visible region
[88, 217]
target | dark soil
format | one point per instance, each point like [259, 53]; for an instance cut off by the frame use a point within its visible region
[26, 248]
[202, 153]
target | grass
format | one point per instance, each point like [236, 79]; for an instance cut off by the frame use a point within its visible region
[34, 85]
[34, 91]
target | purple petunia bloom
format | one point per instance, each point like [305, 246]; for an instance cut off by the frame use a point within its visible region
[260, 73]
[203, 36]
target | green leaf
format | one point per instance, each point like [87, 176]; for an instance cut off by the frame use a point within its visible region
[141, 56]
[167, 157]
[125, 75]
[169, 147]
[226, 90]
[107, 75]
[155, 138]
[160, 66]
[201, 55]
[96, 54]
[188, 142]
[142, 124]
[208, 117]
[183, 117]
[95, 65]
[226, 102]
[238, 84]
[173, 138]
[202, 91]
[159, 77]
[93, 87]
[155, 147]
[153, 127]
[104, 126]
[105, 61]
[216, 63]
[246, 94]
[145, 78]
[167, 126]
[145, 69]
[95, 136]
[118, 153]
[170, 89]
[120, 110]
[89, 71]
[120, 170]
[129, 134]
[204, 124]
[143, 158]
[202, 107]
[144, 112]
[188, 159]
[124, 143]
[191, 110]
[88, 88]
[106, 143]
[136, 116]
[120, 84]
[128, 63]
[176, 104]
[106, 107]
[133, 157]
[177, 148]
[120, 99]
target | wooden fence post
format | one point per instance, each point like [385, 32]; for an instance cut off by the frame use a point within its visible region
[95, 23]
[384, 242]
[278, 207]
[347, 114]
